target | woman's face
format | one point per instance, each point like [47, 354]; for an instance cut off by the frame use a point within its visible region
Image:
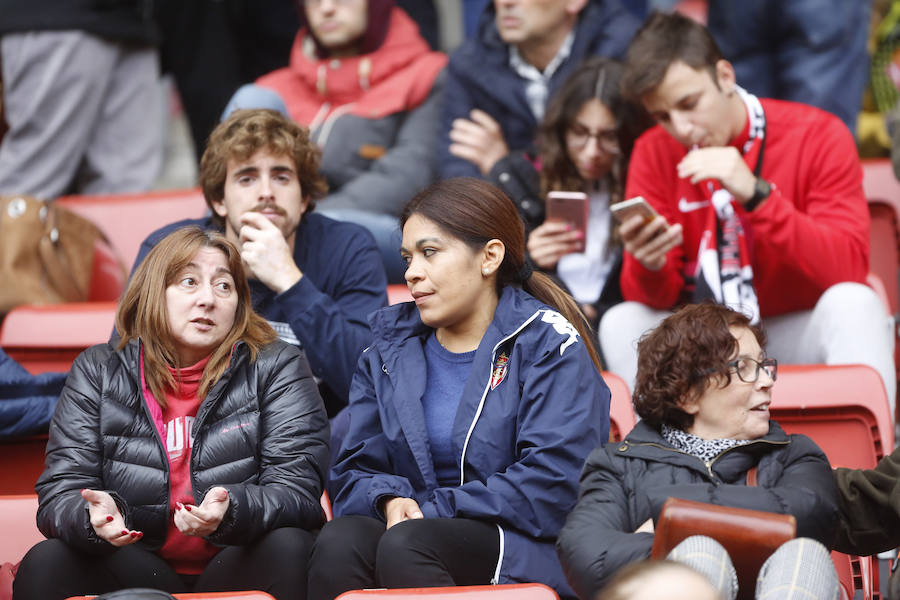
[201, 303]
[740, 410]
[592, 141]
[445, 276]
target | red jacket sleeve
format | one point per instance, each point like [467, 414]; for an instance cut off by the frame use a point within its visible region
[651, 175]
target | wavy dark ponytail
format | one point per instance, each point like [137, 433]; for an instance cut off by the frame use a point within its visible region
[474, 211]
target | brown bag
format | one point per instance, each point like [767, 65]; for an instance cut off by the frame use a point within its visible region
[749, 536]
[46, 253]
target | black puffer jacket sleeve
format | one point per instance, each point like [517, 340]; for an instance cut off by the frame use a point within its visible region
[293, 451]
[74, 457]
[624, 485]
[598, 538]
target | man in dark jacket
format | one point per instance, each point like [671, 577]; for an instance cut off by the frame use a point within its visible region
[498, 82]
[315, 279]
[81, 97]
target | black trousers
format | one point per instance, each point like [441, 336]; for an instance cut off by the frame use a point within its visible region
[275, 563]
[357, 552]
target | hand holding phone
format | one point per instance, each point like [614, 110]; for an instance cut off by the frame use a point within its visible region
[624, 210]
[571, 208]
[649, 241]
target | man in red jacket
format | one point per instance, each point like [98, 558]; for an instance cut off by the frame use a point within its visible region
[760, 207]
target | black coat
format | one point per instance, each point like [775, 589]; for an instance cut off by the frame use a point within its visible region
[625, 484]
[261, 433]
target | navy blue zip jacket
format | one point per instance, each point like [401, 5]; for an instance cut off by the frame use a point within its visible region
[479, 76]
[343, 281]
[533, 408]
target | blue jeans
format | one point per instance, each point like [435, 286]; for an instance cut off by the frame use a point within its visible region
[810, 51]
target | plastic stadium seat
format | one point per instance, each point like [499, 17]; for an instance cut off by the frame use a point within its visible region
[48, 338]
[621, 411]
[128, 219]
[248, 595]
[843, 408]
[397, 293]
[20, 532]
[21, 463]
[518, 591]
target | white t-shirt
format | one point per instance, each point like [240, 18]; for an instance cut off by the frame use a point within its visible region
[585, 273]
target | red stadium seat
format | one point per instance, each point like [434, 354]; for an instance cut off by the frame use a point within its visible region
[397, 293]
[248, 595]
[518, 591]
[128, 219]
[48, 338]
[20, 532]
[21, 463]
[621, 411]
[843, 408]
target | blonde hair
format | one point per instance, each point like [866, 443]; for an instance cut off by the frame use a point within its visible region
[143, 314]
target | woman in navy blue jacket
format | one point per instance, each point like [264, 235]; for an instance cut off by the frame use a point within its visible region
[471, 414]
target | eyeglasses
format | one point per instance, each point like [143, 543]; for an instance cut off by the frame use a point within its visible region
[748, 369]
[607, 139]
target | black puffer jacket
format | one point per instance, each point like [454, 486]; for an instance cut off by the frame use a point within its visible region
[261, 433]
[625, 484]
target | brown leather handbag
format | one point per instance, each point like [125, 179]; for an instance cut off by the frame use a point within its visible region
[46, 253]
[749, 536]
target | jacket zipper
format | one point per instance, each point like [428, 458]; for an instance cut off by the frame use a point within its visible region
[462, 458]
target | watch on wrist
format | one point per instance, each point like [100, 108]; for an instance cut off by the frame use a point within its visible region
[761, 191]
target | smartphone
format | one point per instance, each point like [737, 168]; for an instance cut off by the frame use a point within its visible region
[624, 210]
[569, 207]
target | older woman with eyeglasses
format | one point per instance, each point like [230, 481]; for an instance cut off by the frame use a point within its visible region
[703, 392]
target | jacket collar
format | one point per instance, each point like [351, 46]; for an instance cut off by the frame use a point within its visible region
[400, 336]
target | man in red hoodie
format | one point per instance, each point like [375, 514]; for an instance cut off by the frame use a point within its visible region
[760, 207]
[364, 81]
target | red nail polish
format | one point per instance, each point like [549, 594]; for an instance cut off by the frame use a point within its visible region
[124, 532]
[187, 508]
[140, 534]
[109, 518]
[134, 534]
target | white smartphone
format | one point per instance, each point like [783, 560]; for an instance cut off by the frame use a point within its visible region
[624, 210]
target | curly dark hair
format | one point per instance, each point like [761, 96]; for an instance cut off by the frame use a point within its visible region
[244, 133]
[678, 359]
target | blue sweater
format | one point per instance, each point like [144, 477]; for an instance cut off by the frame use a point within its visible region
[343, 282]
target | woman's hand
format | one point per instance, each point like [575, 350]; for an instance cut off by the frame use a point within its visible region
[204, 519]
[106, 519]
[646, 527]
[397, 510]
[551, 241]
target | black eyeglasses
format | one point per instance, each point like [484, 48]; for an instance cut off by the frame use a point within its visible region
[748, 369]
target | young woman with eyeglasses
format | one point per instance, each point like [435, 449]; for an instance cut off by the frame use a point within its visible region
[583, 145]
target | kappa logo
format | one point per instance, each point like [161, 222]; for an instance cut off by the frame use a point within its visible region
[501, 366]
[685, 206]
[562, 327]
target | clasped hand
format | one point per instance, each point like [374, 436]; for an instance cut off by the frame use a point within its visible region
[199, 521]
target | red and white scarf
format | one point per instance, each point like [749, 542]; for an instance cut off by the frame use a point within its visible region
[724, 273]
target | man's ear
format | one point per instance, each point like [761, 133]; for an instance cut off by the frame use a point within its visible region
[493, 253]
[218, 207]
[725, 76]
